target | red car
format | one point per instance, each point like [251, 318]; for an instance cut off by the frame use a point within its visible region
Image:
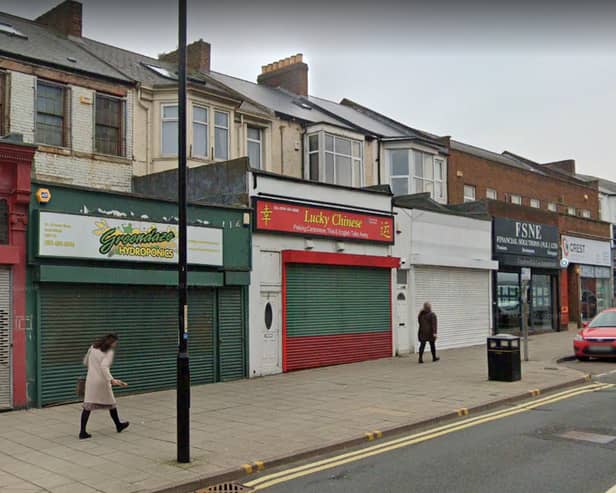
[598, 338]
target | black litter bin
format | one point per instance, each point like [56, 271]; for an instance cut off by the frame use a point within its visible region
[504, 358]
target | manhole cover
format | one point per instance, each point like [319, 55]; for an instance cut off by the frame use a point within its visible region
[225, 488]
[587, 437]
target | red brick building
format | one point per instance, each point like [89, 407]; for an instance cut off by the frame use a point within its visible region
[547, 195]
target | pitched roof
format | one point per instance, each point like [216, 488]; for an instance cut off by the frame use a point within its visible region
[424, 202]
[605, 186]
[492, 156]
[36, 43]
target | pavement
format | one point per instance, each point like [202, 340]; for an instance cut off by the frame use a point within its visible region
[532, 450]
[254, 421]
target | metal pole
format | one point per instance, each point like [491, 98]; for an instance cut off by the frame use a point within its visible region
[183, 365]
[525, 317]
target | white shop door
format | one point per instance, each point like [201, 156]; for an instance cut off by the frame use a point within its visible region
[5, 339]
[461, 300]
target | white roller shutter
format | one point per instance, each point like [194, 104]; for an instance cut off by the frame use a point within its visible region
[461, 300]
[5, 339]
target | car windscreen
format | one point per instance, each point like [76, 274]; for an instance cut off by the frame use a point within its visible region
[605, 319]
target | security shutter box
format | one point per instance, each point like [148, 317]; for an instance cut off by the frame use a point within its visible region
[461, 300]
[5, 338]
[336, 314]
[71, 317]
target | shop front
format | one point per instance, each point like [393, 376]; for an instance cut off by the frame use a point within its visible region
[102, 262]
[446, 259]
[589, 264]
[321, 283]
[526, 245]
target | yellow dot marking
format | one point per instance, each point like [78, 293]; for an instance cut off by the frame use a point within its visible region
[462, 412]
[369, 436]
[247, 468]
[378, 434]
[260, 465]
[535, 392]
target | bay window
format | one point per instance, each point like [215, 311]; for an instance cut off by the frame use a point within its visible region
[413, 171]
[221, 135]
[336, 160]
[200, 147]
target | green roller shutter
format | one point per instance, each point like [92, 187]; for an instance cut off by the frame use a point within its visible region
[145, 318]
[336, 314]
[231, 332]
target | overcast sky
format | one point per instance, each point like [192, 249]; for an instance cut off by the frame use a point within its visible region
[538, 79]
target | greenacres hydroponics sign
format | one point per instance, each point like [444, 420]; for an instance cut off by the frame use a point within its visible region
[99, 238]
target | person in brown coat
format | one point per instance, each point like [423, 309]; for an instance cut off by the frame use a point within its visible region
[427, 331]
[98, 392]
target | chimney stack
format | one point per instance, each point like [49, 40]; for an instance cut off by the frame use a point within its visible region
[65, 18]
[197, 56]
[290, 73]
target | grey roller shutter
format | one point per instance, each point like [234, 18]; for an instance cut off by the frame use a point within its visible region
[461, 300]
[5, 338]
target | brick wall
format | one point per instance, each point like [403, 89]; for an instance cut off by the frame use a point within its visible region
[508, 180]
[77, 165]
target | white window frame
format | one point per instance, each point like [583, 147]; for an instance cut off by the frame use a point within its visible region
[586, 214]
[535, 203]
[491, 194]
[552, 207]
[515, 199]
[572, 211]
[357, 161]
[205, 124]
[412, 177]
[162, 124]
[470, 197]
[227, 128]
[256, 142]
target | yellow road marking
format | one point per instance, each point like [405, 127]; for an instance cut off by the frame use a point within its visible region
[300, 471]
[462, 412]
[247, 468]
[535, 392]
[260, 465]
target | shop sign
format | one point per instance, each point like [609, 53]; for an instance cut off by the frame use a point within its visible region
[595, 272]
[513, 237]
[99, 238]
[585, 251]
[308, 220]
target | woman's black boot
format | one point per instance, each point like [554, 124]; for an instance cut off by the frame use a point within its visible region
[83, 434]
[120, 426]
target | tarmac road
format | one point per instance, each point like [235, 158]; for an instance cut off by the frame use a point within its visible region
[543, 449]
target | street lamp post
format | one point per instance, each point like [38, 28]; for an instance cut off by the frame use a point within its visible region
[183, 365]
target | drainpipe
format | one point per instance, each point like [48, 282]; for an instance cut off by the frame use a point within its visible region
[148, 164]
[378, 159]
[282, 149]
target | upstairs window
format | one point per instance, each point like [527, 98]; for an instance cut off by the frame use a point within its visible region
[336, 160]
[200, 146]
[469, 193]
[516, 199]
[552, 207]
[221, 135]
[254, 143]
[52, 114]
[109, 127]
[491, 194]
[414, 171]
[169, 130]
[535, 203]
[571, 211]
[586, 213]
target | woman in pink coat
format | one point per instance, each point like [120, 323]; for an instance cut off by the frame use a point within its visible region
[99, 394]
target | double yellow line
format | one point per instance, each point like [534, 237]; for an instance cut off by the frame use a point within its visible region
[339, 460]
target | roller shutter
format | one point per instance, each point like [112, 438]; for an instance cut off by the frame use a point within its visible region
[231, 330]
[5, 339]
[335, 315]
[461, 300]
[72, 316]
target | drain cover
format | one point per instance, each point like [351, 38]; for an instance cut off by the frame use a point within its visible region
[225, 488]
[588, 437]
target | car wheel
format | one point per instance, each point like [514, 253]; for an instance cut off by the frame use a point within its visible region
[582, 358]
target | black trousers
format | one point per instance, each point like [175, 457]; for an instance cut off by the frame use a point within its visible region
[422, 348]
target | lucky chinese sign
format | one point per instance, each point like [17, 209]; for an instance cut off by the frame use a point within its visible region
[308, 220]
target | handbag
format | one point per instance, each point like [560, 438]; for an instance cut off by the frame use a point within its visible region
[81, 387]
